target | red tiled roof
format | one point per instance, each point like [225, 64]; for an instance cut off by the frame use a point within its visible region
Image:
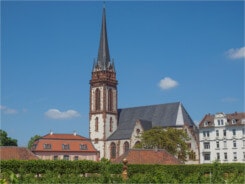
[16, 153]
[58, 140]
[147, 156]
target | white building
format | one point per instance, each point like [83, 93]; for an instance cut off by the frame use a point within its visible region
[222, 138]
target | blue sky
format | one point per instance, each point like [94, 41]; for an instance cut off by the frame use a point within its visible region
[192, 52]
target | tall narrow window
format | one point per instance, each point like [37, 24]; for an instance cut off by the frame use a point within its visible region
[234, 132]
[110, 100]
[96, 128]
[113, 150]
[217, 144]
[126, 146]
[224, 133]
[217, 133]
[111, 124]
[97, 99]
[218, 156]
[225, 156]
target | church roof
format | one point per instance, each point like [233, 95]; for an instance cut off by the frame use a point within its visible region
[164, 115]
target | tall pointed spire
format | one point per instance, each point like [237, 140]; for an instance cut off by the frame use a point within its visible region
[103, 59]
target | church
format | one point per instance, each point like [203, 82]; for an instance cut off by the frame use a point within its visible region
[115, 131]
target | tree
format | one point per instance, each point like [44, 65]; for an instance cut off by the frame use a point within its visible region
[171, 139]
[32, 140]
[5, 140]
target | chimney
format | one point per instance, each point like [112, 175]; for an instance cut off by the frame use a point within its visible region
[74, 133]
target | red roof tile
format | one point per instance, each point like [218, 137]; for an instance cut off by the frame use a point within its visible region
[56, 141]
[145, 156]
[16, 153]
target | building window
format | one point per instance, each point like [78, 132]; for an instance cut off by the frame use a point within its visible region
[243, 155]
[126, 146]
[234, 132]
[137, 144]
[47, 146]
[205, 133]
[224, 133]
[234, 156]
[192, 155]
[207, 156]
[97, 99]
[243, 131]
[234, 144]
[96, 128]
[75, 157]
[96, 140]
[83, 146]
[111, 124]
[66, 157]
[55, 157]
[218, 156]
[222, 122]
[217, 144]
[110, 100]
[225, 156]
[205, 123]
[65, 146]
[113, 150]
[206, 145]
[217, 133]
[137, 131]
[225, 144]
[243, 142]
[218, 122]
[233, 121]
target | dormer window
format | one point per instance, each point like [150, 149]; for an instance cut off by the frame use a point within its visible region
[47, 146]
[83, 146]
[233, 121]
[206, 123]
[65, 146]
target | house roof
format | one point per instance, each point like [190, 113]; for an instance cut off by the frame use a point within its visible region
[239, 118]
[56, 142]
[148, 156]
[164, 115]
[16, 153]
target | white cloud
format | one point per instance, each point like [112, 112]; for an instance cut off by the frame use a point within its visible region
[229, 100]
[57, 114]
[237, 53]
[7, 110]
[167, 83]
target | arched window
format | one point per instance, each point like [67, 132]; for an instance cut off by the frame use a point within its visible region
[97, 99]
[110, 100]
[126, 146]
[137, 144]
[96, 127]
[113, 150]
[111, 124]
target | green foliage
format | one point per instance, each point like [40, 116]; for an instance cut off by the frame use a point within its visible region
[5, 140]
[171, 139]
[32, 140]
[61, 171]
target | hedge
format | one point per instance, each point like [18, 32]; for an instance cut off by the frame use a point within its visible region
[61, 171]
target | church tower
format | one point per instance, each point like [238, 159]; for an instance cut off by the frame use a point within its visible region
[103, 94]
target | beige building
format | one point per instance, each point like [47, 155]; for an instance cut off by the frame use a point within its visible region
[64, 146]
